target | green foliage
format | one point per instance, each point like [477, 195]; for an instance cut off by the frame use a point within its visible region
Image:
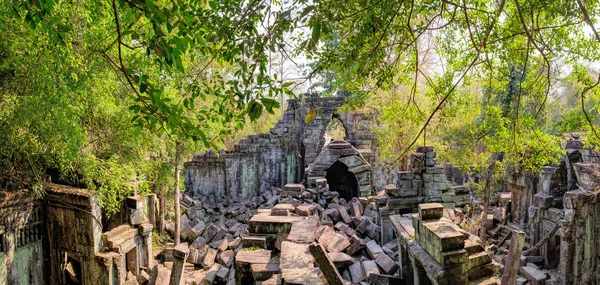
[96, 93]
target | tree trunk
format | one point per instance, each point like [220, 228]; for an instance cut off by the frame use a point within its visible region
[542, 241]
[162, 208]
[177, 192]
[486, 198]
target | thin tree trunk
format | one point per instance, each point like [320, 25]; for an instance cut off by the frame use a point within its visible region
[542, 241]
[161, 210]
[177, 192]
[486, 198]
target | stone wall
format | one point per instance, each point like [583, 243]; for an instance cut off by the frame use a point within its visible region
[74, 233]
[580, 229]
[262, 161]
[22, 236]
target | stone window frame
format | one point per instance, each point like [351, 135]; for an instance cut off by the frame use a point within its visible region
[30, 232]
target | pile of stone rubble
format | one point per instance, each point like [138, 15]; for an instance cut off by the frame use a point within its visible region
[279, 238]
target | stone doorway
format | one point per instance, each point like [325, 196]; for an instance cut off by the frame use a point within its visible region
[132, 261]
[341, 180]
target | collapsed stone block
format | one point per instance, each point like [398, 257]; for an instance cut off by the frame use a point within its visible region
[431, 211]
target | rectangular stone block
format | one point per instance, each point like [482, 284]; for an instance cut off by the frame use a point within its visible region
[543, 200]
[430, 211]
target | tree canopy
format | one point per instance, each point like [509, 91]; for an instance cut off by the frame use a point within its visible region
[99, 92]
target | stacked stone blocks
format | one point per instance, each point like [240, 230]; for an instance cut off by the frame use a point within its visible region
[461, 258]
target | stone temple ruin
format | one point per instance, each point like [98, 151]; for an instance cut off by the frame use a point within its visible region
[292, 207]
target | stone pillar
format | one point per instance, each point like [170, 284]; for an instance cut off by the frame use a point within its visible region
[146, 233]
[419, 274]
[387, 231]
[180, 253]
[513, 258]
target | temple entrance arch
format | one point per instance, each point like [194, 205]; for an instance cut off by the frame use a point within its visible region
[342, 181]
[346, 171]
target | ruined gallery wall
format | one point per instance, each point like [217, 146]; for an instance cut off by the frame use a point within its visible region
[74, 230]
[22, 239]
[580, 229]
[262, 161]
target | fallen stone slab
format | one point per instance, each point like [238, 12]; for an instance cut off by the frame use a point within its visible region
[369, 266]
[266, 224]
[282, 210]
[339, 243]
[292, 190]
[356, 272]
[341, 259]
[303, 231]
[342, 211]
[326, 265]
[223, 274]
[225, 258]
[379, 279]
[211, 275]
[306, 210]
[262, 271]
[533, 275]
[159, 275]
[344, 228]
[386, 263]
[301, 276]
[246, 257]
[373, 249]
[254, 241]
[326, 236]
[209, 258]
[196, 231]
[196, 256]
[295, 255]
[356, 244]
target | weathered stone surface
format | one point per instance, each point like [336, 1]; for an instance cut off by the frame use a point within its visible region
[225, 258]
[262, 271]
[209, 258]
[356, 272]
[196, 231]
[254, 241]
[325, 264]
[378, 279]
[339, 243]
[306, 210]
[196, 256]
[512, 263]
[211, 275]
[180, 253]
[356, 208]
[431, 211]
[341, 259]
[533, 275]
[303, 231]
[343, 213]
[386, 264]
[369, 266]
[543, 200]
[159, 275]
[282, 210]
[245, 258]
[373, 249]
[295, 255]
[292, 190]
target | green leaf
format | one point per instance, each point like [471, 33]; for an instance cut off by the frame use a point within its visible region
[143, 87]
[287, 84]
[310, 116]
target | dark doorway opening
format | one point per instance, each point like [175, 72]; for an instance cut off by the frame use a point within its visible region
[341, 180]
